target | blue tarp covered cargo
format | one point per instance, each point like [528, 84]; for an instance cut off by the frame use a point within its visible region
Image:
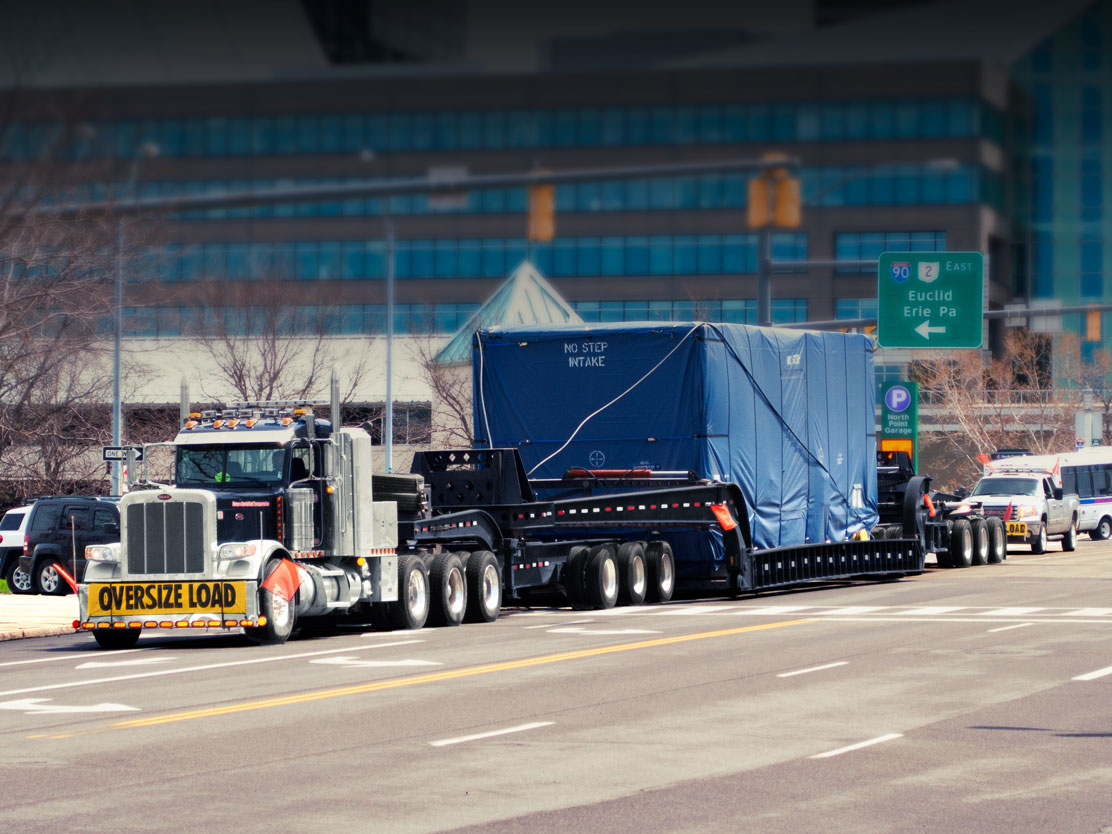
[788, 415]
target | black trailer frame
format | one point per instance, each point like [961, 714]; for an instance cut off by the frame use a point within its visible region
[482, 499]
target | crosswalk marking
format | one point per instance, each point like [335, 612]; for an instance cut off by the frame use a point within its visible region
[865, 612]
[1011, 612]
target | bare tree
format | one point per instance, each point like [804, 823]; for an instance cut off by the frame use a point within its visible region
[1096, 376]
[266, 346]
[450, 384]
[1011, 401]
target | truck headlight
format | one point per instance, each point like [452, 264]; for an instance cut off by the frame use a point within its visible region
[1025, 510]
[236, 550]
[102, 553]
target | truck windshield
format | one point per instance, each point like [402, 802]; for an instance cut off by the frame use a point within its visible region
[230, 465]
[1008, 486]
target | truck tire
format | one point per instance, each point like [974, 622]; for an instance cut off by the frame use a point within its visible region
[661, 566]
[19, 580]
[961, 544]
[411, 610]
[447, 590]
[1069, 540]
[47, 580]
[117, 638]
[575, 575]
[997, 541]
[602, 577]
[981, 541]
[1038, 543]
[633, 581]
[1103, 530]
[484, 587]
[280, 614]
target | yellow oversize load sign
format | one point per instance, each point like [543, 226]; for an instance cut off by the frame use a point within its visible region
[155, 598]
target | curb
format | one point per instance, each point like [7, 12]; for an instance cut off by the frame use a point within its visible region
[36, 631]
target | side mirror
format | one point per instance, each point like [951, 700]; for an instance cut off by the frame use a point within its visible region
[1058, 493]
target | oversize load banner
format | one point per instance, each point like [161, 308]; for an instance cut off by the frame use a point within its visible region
[155, 598]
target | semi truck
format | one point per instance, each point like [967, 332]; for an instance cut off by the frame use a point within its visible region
[274, 518]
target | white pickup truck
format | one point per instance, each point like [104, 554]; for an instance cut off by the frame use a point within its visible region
[1032, 507]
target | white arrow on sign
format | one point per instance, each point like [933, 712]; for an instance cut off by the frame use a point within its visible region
[610, 631]
[38, 706]
[358, 661]
[925, 329]
[139, 661]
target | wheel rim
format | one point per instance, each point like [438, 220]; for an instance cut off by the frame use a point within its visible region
[20, 579]
[49, 579]
[1000, 543]
[666, 573]
[280, 610]
[491, 589]
[1105, 528]
[416, 594]
[457, 594]
[1042, 537]
[609, 578]
[983, 544]
[638, 578]
[967, 544]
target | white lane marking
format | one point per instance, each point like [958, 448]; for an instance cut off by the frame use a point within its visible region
[848, 611]
[67, 656]
[696, 611]
[774, 610]
[1087, 612]
[138, 661]
[357, 661]
[202, 668]
[38, 706]
[1009, 628]
[444, 742]
[597, 631]
[858, 746]
[550, 625]
[1092, 676]
[933, 610]
[1010, 612]
[812, 669]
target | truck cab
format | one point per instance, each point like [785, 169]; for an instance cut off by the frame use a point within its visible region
[1031, 505]
[251, 465]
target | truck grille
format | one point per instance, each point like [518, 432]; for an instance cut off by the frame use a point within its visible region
[165, 537]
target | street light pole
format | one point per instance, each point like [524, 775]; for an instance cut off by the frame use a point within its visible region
[388, 417]
[146, 150]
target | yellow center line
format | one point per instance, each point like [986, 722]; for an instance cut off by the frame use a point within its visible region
[436, 677]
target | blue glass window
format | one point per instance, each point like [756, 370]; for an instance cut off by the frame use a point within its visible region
[1092, 266]
[1092, 190]
[637, 256]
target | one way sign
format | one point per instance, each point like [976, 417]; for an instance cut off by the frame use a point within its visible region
[120, 452]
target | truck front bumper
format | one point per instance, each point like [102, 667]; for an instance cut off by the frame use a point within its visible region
[173, 604]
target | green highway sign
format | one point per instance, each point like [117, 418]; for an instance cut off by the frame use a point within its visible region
[930, 299]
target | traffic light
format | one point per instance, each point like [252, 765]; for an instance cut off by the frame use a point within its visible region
[1092, 326]
[542, 213]
[787, 214]
[774, 198]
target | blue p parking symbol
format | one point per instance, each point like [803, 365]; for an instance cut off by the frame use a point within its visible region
[897, 398]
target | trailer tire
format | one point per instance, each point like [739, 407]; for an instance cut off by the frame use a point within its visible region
[961, 544]
[1038, 543]
[981, 541]
[633, 578]
[280, 614]
[1103, 530]
[1069, 540]
[661, 566]
[602, 577]
[117, 638]
[997, 541]
[447, 590]
[575, 572]
[484, 587]
[411, 610]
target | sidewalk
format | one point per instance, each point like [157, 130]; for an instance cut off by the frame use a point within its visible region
[33, 615]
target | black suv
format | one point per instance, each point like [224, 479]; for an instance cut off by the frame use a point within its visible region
[58, 531]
